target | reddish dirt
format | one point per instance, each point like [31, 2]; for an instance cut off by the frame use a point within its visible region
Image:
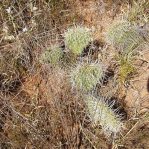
[137, 97]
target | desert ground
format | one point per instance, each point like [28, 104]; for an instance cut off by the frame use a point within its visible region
[74, 74]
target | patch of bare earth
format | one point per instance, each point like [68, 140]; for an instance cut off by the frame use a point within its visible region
[137, 96]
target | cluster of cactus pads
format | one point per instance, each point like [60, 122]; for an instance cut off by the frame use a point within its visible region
[76, 39]
[85, 76]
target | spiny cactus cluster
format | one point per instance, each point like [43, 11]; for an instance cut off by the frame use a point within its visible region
[101, 112]
[122, 34]
[52, 55]
[86, 75]
[77, 38]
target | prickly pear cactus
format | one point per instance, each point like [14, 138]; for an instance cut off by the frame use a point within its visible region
[85, 76]
[77, 38]
[101, 112]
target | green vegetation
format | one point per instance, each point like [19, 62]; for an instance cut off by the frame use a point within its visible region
[125, 36]
[77, 38]
[102, 113]
[126, 68]
[86, 75]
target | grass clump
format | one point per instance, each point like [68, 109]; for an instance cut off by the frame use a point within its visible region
[124, 35]
[101, 112]
[86, 75]
[52, 55]
[77, 38]
[125, 68]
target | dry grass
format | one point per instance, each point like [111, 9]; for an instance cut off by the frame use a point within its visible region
[38, 106]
